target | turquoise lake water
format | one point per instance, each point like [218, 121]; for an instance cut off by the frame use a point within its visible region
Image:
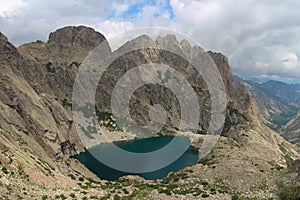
[189, 157]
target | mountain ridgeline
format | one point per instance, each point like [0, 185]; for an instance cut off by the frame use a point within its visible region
[38, 135]
[278, 104]
[57, 61]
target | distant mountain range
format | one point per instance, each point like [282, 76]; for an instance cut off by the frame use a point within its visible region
[279, 104]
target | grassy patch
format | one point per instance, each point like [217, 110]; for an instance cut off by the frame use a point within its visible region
[289, 191]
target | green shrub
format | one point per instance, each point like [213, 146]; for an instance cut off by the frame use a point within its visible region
[234, 197]
[44, 197]
[81, 179]
[205, 195]
[125, 191]
[71, 176]
[107, 196]
[116, 197]
[85, 187]
[167, 192]
[204, 183]
[4, 170]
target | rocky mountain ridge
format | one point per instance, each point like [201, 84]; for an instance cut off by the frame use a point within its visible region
[292, 130]
[278, 105]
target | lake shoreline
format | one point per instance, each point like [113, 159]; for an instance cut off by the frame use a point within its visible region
[117, 136]
[142, 145]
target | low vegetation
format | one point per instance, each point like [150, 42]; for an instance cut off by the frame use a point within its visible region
[289, 191]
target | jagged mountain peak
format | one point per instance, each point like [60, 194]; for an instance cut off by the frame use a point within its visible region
[3, 37]
[185, 44]
[143, 39]
[64, 46]
[5, 45]
[76, 35]
[9, 55]
[169, 38]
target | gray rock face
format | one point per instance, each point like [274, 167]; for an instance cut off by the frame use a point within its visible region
[9, 55]
[278, 110]
[37, 83]
[31, 108]
[291, 130]
[268, 106]
[76, 36]
[57, 61]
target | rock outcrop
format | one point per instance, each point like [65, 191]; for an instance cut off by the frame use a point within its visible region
[57, 61]
[292, 130]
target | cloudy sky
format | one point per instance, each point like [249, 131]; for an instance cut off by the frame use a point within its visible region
[261, 38]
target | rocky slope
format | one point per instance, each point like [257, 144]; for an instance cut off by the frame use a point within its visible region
[287, 93]
[59, 72]
[269, 106]
[277, 112]
[292, 130]
[38, 135]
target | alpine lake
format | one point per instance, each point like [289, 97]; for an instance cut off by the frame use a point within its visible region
[188, 158]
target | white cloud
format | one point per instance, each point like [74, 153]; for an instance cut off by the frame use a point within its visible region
[289, 59]
[111, 27]
[259, 37]
[11, 8]
[262, 64]
[38, 18]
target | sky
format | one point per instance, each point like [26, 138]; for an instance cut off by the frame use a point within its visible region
[260, 38]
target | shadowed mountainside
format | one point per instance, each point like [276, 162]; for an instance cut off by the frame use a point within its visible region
[278, 105]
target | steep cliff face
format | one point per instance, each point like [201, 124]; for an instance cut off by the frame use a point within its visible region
[292, 130]
[57, 61]
[242, 108]
[268, 105]
[278, 112]
[51, 67]
[64, 46]
[71, 36]
[36, 131]
[226, 73]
